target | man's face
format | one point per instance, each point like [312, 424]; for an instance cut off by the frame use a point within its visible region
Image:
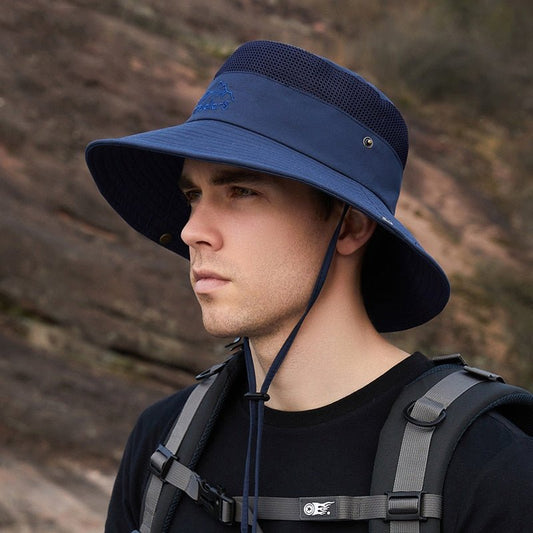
[256, 244]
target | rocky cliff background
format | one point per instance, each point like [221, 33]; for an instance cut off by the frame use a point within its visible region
[96, 322]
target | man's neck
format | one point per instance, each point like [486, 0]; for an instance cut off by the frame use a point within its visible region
[332, 356]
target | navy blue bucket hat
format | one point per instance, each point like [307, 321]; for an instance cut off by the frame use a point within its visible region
[276, 108]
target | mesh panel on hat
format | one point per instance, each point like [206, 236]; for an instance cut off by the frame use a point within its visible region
[307, 72]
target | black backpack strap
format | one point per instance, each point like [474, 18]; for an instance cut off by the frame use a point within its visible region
[185, 443]
[432, 414]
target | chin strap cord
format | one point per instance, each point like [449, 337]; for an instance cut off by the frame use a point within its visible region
[258, 399]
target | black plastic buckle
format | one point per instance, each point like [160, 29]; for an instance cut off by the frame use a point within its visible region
[490, 376]
[161, 461]
[216, 502]
[215, 369]
[234, 343]
[453, 358]
[404, 506]
[236, 346]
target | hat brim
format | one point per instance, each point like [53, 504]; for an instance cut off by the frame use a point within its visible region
[403, 286]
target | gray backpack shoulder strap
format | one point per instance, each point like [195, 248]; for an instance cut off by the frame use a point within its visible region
[186, 441]
[420, 435]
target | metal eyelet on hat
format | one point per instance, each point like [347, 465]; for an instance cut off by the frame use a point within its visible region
[165, 239]
[368, 142]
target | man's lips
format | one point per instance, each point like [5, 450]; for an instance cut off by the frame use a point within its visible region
[205, 281]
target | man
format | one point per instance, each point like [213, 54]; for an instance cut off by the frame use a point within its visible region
[281, 189]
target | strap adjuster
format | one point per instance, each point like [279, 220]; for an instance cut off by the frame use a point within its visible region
[422, 423]
[404, 505]
[215, 502]
[489, 376]
[215, 369]
[161, 461]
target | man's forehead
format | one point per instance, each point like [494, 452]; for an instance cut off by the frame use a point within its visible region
[221, 174]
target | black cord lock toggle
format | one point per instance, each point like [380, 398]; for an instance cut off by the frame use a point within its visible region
[257, 396]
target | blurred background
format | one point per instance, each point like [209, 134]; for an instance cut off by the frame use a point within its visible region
[96, 322]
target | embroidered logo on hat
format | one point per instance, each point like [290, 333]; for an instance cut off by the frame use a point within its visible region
[218, 98]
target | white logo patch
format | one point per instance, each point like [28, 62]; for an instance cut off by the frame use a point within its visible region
[317, 509]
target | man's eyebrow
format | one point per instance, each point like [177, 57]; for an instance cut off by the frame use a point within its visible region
[237, 175]
[184, 182]
[227, 177]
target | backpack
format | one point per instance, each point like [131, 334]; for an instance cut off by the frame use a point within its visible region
[411, 459]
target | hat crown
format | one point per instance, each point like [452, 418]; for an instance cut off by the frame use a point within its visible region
[327, 81]
[278, 109]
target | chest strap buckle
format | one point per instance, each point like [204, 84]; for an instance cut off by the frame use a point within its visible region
[216, 502]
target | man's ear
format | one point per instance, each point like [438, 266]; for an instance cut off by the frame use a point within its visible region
[357, 228]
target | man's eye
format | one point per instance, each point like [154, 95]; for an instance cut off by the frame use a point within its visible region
[242, 192]
[191, 196]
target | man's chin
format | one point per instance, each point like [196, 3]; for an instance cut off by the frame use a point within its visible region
[216, 329]
[222, 334]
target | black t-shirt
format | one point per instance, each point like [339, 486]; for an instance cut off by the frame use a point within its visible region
[330, 451]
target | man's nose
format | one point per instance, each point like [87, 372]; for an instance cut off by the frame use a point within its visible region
[202, 228]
